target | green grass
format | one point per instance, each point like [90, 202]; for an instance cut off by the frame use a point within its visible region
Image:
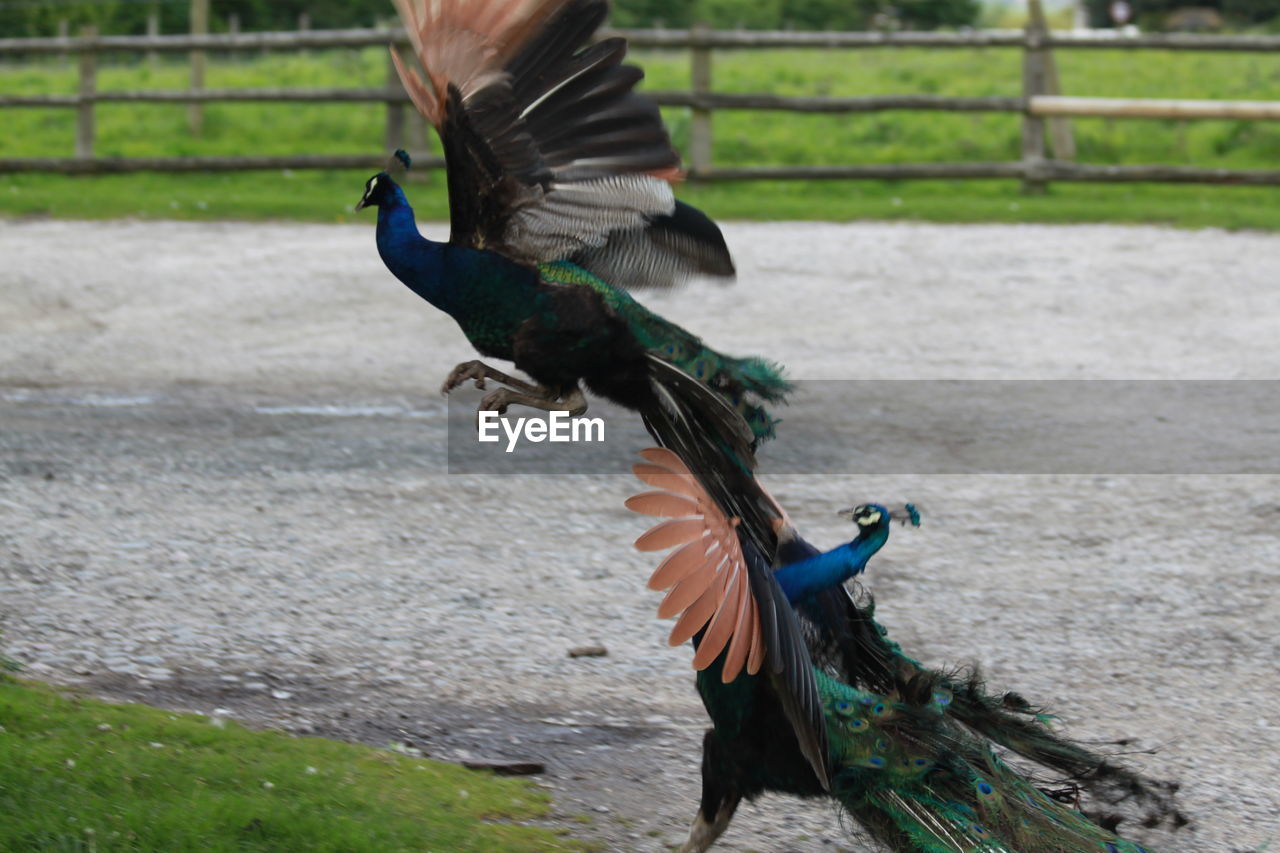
[82, 775]
[741, 138]
[329, 197]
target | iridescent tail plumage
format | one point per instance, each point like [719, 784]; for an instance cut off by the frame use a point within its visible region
[917, 779]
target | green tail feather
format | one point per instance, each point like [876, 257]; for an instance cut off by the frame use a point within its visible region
[919, 781]
[1006, 721]
[747, 383]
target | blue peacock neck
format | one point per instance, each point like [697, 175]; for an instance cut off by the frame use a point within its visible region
[412, 258]
[806, 578]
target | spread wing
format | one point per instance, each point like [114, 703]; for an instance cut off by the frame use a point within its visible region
[706, 575]
[550, 153]
[722, 588]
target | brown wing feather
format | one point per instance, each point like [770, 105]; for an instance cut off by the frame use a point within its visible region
[720, 628]
[666, 504]
[670, 533]
[707, 576]
[668, 480]
[698, 614]
[680, 564]
[464, 43]
[689, 588]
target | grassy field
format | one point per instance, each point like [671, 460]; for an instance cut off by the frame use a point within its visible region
[741, 138]
[81, 775]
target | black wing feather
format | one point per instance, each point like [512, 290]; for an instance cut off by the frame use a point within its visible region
[535, 112]
[790, 669]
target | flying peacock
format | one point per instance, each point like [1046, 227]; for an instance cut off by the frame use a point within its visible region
[916, 757]
[560, 200]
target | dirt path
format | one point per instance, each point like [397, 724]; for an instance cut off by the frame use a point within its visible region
[223, 486]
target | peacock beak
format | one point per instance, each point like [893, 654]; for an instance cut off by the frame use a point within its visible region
[846, 513]
[362, 204]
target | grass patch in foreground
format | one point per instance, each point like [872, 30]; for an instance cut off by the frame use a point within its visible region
[328, 196]
[83, 775]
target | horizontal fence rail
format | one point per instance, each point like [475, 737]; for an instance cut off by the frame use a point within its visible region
[1039, 105]
[120, 165]
[1049, 170]
[1050, 105]
[1045, 112]
[673, 39]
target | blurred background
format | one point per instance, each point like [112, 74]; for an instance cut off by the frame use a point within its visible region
[43, 17]
[864, 90]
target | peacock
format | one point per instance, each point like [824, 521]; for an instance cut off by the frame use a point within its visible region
[559, 180]
[560, 201]
[918, 758]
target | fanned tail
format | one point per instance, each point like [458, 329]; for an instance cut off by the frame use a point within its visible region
[1011, 722]
[966, 722]
[918, 779]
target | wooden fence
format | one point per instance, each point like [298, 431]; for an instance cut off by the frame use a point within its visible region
[1043, 111]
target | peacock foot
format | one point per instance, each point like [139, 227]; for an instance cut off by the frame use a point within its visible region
[516, 393]
[478, 372]
[704, 832]
[575, 403]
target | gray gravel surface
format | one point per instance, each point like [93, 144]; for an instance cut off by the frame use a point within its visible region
[223, 488]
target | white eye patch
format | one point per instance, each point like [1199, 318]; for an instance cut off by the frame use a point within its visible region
[869, 518]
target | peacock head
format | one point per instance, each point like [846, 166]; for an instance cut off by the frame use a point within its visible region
[868, 517]
[874, 518]
[382, 189]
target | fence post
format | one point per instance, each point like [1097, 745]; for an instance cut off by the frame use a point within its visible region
[1064, 141]
[233, 29]
[395, 109]
[64, 31]
[153, 31]
[88, 85]
[700, 125]
[199, 26]
[1033, 83]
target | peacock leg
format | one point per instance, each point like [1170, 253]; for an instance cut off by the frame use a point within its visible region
[720, 796]
[575, 403]
[478, 372]
[704, 832]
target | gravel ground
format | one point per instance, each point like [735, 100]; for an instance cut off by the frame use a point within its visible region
[223, 487]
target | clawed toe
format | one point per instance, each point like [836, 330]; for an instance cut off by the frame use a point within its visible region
[498, 401]
[514, 392]
[473, 370]
[478, 372]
